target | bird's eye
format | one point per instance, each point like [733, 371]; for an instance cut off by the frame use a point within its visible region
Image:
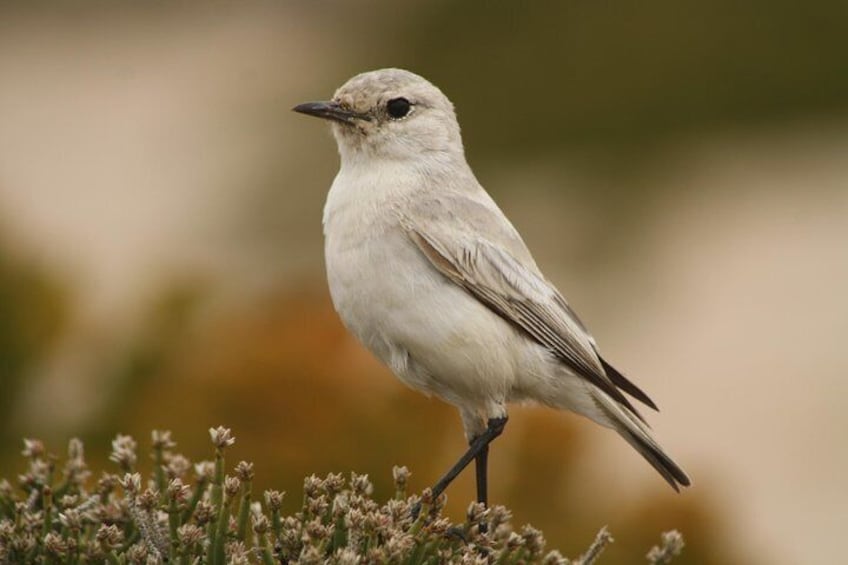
[398, 107]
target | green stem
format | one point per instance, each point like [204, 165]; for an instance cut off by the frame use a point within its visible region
[47, 506]
[159, 468]
[173, 526]
[267, 556]
[221, 533]
[75, 556]
[276, 523]
[199, 489]
[339, 534]
[218, 506]
[421, 519]
[244, 510]
[415, 556]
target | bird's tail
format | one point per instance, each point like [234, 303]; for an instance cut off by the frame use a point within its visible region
[639, 436]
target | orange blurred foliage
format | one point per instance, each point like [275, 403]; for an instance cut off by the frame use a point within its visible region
[303, 397]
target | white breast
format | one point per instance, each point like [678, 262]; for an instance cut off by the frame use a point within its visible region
[430, 332]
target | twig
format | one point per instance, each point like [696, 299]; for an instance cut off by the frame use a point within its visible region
[602, 540]
[672, 545]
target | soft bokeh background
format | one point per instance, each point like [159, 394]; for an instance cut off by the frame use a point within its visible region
[679, 168]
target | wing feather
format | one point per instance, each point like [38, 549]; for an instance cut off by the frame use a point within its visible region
[523, 298]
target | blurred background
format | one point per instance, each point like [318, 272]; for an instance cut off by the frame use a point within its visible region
[679, 168]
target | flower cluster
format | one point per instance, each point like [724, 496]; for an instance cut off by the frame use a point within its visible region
[184, 513]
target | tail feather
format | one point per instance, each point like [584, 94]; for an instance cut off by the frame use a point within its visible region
[654, 454]
[626, 384]
[637, 434]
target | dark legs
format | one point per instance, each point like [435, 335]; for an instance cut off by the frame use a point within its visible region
[478, 450]
[481, 462]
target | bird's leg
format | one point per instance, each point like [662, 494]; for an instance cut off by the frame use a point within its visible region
[479, 449]
[481, 462]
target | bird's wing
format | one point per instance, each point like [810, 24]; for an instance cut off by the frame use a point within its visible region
[505, 278]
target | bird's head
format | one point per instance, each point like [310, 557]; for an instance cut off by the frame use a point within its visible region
[390, 114]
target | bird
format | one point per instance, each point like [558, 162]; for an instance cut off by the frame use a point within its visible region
[427, 272]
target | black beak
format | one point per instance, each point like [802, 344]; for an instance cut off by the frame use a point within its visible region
[330, 111]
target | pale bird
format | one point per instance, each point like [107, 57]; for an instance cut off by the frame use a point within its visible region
[429, 274]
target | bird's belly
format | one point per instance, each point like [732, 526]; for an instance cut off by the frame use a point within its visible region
[432, 334]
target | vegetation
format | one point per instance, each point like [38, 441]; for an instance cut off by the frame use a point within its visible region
[199, 513]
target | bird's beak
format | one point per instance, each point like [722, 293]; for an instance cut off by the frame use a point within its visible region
[330, 111]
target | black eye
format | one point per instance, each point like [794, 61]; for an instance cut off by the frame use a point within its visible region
[398, 107]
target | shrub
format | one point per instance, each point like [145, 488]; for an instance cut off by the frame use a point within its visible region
[198, 513]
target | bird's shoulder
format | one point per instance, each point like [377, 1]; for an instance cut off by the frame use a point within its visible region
[465, 220]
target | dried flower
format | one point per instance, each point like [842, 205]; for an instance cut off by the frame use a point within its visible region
[33, 448]
[602, 540]
[161, 439]
[204, 470]
[361, 485]
[260, 523]
[554, 558]
[312, 556]
[237, 553]
[23, 544]
[399, 546]
[189, 535]
[476, 513]
[177, 491]
[37, 474]
[312, 486]
[176, 466]
[148, 499]
[124, 452]
[244, 471]
[55, 545]
[347, 556]
[534, 541]
[401, 477]
[110, 536]
[221, 437]
[274, 499]
[203, 513]
[333, 484]
[137, 553]
[231, 486]
[427, 496]
[71, 519]
[317, 506]
[107, 483]
[316, 531]
[671, 546]
[76, 449]
[131, 483]
[75, 470]
[341, 504]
